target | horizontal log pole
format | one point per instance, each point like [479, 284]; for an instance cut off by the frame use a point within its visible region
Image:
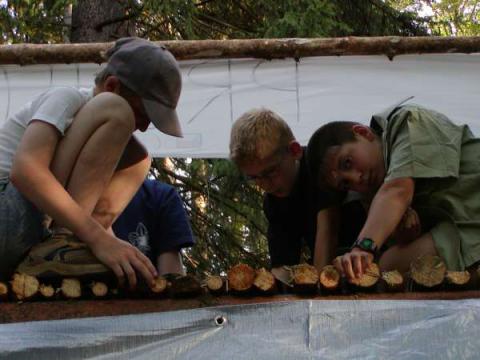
[35, 311]
[30, 54]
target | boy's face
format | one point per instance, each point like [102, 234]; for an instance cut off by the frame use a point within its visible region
[276, 173]
[357, 165]
[141, 118]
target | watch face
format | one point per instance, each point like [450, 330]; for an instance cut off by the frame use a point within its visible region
[366, 243]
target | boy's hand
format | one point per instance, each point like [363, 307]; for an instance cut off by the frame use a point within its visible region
[409, 228]
[354, 263]
[123, 258]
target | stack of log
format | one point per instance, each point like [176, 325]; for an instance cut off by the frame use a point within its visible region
[25, 287]
[426, 273]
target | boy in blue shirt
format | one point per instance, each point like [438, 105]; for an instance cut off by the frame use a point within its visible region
[156, 223]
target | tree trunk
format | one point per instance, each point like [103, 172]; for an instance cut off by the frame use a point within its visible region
[101, 21]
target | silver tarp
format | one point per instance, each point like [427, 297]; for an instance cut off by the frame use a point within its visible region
[305, 329]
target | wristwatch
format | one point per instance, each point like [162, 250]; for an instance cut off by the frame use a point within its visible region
[366, 244]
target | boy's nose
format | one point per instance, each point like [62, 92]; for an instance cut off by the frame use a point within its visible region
[353, 178]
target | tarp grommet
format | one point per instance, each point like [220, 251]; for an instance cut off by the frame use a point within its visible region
[220, 320]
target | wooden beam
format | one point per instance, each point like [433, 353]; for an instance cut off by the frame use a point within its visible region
[56, 310]
[29, 54]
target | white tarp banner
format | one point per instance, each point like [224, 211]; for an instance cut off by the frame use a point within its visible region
[307, 94]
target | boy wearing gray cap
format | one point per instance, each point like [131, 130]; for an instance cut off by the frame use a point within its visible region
[70, 155]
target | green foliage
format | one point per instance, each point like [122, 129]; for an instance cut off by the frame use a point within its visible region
[222, 19]
[43, 21]
[27, 21]
[445, 17]
[224, 210]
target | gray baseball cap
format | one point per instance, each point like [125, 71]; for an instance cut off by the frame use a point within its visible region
[152, 72]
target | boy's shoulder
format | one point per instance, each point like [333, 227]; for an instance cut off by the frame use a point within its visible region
[62, 96]
[416, 115]
[67, 91]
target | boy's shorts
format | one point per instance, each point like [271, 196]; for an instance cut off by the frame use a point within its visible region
[21, 227]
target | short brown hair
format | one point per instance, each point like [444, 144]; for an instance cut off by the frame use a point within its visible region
[257, 134]
[335, 133]
[103, 74]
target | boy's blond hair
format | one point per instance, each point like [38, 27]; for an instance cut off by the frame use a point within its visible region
[257, 134]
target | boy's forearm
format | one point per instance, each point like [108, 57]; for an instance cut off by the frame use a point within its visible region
[387, 209]
[170, 262]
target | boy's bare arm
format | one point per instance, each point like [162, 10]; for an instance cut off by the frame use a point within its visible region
[170, 262]
[326, 237]
[386, 211]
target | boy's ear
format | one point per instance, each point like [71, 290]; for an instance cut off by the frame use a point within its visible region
[295, 149]
[363, 131]
[111, 84]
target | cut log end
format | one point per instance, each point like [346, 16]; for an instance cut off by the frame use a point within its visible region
[329, 278]
[3, 291]
[458, 278]
[393, 280]
[160, 285]
[304, 274]
[264, 281]
[241, 277]
[215, 284]
[71, 288]
[304, 278]
[24, 286]
[47, 291]
[369, 278]
[99, 289]
[428, 270]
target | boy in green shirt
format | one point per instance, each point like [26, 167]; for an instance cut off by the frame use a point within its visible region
[408, 157]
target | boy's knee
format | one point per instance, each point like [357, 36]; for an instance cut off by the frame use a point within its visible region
[384, 263]
[390, 259]
[114, 109]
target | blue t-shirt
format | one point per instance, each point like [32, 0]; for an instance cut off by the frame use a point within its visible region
[155, 220]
